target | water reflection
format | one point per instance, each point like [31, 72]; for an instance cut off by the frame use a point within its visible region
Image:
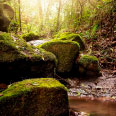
[96, 107]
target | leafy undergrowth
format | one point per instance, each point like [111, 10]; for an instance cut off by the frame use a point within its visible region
[105, 50]
[104, 44]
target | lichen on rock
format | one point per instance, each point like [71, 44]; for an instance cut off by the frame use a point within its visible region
[65, 51]
[35, 97]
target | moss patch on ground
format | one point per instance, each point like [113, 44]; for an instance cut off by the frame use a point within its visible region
[35, 97]
[65, 51]
[72, 37]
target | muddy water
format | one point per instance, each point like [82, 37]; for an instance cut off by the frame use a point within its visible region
[97, 107]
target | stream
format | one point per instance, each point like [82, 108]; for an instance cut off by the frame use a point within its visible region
[93, 106]
[94, 97]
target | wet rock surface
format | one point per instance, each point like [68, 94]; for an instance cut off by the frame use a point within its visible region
[37, 42]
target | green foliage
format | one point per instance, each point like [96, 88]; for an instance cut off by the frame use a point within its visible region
[93, 31]
[74, 16]
[14, 26]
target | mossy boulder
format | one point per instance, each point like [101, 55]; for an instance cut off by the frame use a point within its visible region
[35, 97]
[6, 14]
[18, 59]
[30, 36]
[73, 37]
[88, 65]
[65, 51]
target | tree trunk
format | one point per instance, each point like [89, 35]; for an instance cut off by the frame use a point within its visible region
[19, 2]
[15, 9]
[58, 17]
[40, 14]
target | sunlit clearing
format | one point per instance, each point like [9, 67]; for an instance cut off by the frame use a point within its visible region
[31, 9]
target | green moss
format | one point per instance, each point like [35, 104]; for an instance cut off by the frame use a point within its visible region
[55, 41]
[89, 65]
[35, 97]
[61, 35]
[25, 86]
[30, 36]
[72, 37]
[65, 51]
[13, 48]
[88, 59]
[10, 50]
[7, 40]
[45, 55]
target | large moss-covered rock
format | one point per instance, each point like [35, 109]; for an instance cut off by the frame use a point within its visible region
[6, 14]
[35, 97]
[88, 65]
[65, 51]
[18, 59]
[73, 37]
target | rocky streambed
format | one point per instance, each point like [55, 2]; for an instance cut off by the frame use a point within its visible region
[93, 97]
[55, 57]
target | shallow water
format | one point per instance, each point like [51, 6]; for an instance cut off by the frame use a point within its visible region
[97, 107]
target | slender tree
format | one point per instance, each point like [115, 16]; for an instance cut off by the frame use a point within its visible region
[19, 2]
[40, 14]
[58, 17]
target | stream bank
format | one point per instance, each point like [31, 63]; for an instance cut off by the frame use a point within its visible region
[93, 97]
